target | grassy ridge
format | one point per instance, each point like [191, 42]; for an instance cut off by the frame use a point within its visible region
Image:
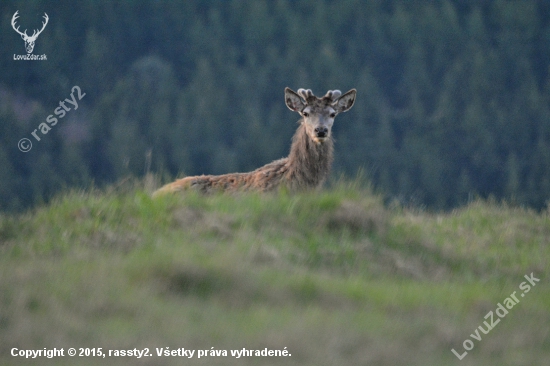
[334, 276]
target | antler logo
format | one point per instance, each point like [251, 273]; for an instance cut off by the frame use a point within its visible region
[29, 41]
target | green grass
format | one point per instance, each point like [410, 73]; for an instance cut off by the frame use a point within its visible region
[334, 276]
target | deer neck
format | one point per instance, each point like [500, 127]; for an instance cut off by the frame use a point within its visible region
[308, 162]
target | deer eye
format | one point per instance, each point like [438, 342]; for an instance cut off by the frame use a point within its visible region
[305, 114]
[332, 115]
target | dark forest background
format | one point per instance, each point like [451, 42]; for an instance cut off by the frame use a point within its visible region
[453, 95]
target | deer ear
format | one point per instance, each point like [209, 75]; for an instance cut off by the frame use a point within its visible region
[345, 102]
[293, 101]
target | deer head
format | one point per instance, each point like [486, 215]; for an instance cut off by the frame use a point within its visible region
[319, 113]
[29, 41]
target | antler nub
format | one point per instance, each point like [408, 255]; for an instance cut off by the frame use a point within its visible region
[332, 95]
[336, 94]
[305, 93]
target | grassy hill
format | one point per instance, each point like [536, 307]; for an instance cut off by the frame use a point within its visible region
[333, 277]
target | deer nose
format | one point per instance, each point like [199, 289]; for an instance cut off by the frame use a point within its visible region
[321, 131]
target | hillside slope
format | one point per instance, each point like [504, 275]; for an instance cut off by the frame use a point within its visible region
[332, 277]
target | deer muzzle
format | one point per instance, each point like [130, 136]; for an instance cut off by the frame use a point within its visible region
[321, 132]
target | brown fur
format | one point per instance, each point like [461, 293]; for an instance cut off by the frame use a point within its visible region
[307, 165]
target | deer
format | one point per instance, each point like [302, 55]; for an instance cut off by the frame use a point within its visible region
[311, 153]
[29, 41]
